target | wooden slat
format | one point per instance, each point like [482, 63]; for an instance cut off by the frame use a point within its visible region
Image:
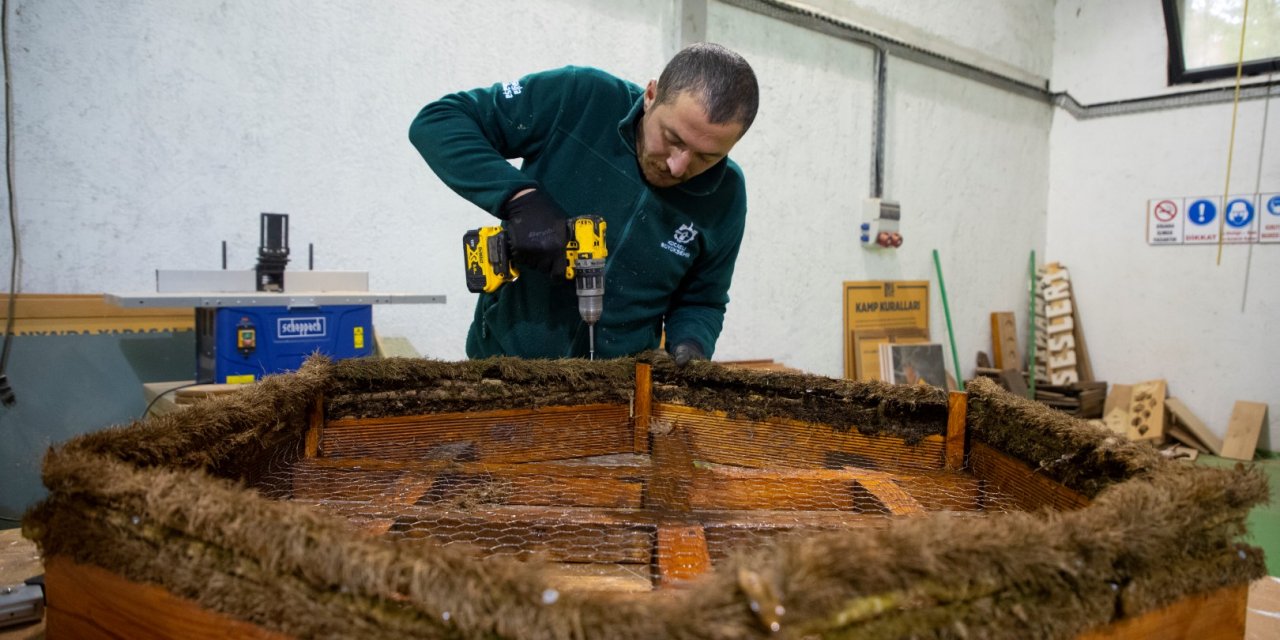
[391, 483]
[682, 553]
[1194, 425]
[1219, 615]
[1247, 419]
[942, 490]
[716, 437]
[671, 477]
[553, 468]
[856, 490]
[725, 536]
[894, 498]
[957, 402]
[1176, 432]
[561, 534]
[1084, 364]
[536, 490]
[1004, 340]
[315, 422]
[1010, 477]
[722, 487]
[1015, 383]
[1115, 411]
[88, 602]
[597, 577]
[515, 435]
[44, 313]
[643, 406]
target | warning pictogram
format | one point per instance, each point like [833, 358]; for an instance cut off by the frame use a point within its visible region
[1247, 218]
[1202, 220]
[1269, 223]
[1164, 221]
[1241, 222]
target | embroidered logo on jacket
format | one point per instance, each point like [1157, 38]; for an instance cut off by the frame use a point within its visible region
[512, 88]
[683, 236]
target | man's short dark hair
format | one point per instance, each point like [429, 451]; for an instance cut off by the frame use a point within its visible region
[721, 79]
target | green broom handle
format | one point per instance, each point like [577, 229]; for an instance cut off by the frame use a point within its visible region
[942, 288]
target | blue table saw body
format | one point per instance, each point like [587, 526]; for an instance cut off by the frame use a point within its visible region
[240, 345]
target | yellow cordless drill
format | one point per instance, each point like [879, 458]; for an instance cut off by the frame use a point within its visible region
[488, 260]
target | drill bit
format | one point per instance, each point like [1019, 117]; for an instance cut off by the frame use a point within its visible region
[591, 342]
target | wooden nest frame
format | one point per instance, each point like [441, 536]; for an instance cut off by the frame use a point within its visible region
[629, 498]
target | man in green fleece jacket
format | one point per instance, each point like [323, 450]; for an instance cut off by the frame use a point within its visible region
[652, 161]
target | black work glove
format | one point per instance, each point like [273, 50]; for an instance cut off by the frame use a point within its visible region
[537, 232]
[687, 351]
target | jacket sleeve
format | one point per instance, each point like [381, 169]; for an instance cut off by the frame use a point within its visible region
[696, 310]
[467, 137]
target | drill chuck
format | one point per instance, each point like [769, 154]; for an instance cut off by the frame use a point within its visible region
[589, 280]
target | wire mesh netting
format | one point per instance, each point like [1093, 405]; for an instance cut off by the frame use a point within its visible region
[550, 483]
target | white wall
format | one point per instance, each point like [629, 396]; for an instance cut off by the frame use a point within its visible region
[1160, 312]
[968, 163]
[149, 131]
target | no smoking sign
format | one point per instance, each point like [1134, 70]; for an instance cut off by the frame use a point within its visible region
[1164, 222]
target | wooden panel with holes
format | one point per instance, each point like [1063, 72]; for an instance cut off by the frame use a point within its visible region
[1146, 411]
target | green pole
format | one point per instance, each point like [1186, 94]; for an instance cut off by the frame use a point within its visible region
[1031, 344]
[942, 288]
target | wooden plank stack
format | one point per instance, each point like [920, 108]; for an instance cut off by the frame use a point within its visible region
[1081, 399]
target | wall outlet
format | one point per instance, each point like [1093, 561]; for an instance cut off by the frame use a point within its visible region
[879, 229]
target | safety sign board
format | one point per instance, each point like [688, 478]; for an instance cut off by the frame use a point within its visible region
[1202, 220]
[1269, 217]
[1164, 221]
[1247, 218]
[1240, 220]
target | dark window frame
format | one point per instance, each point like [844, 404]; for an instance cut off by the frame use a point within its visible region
[1178, 72]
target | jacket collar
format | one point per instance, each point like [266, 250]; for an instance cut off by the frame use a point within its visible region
[703, 184]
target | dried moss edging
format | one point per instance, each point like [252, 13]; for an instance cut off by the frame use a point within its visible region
[172, 486]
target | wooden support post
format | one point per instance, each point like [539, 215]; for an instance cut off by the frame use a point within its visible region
[316, 419]
[643, 406]
[671, 473]
[682, 553]
[957, 404]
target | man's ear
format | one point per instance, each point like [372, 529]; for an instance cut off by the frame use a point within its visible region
[650, 94]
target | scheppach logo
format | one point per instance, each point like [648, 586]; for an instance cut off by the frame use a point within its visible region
[316, 327]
